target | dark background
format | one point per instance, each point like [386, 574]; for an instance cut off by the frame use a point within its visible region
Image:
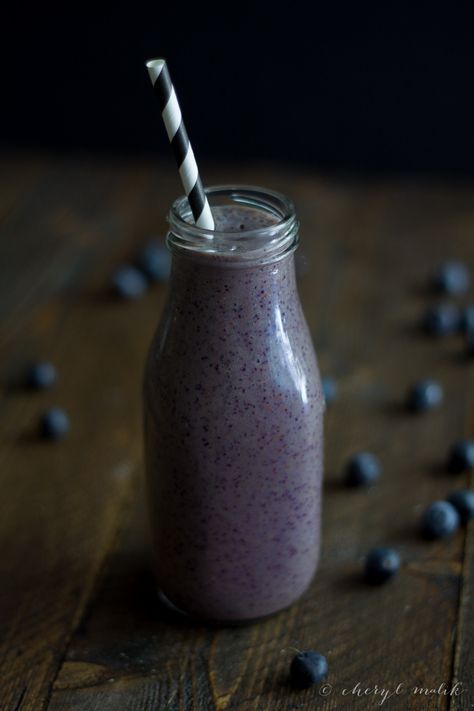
[331, 85]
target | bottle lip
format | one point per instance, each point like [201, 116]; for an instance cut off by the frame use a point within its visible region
[262, 244]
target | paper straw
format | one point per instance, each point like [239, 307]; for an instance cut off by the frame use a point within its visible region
[188, 170]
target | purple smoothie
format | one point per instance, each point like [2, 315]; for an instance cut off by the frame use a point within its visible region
[234, 434]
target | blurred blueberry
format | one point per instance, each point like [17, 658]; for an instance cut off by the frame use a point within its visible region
[54, 423]
[128, 282]
[442, 319]
[381, 565]
[329, 389]
[461, 456]
[452, 277]
[425, 395]
[41, 375]
[363, 469]
[463, 502]
[154, 260]
[308, 668]
[439, 520]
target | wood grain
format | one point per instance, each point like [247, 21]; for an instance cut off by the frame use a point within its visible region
[61, 504]
[81, 627]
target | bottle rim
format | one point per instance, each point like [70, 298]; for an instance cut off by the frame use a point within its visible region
[263, 244]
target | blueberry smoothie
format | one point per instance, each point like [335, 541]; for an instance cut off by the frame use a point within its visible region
[234, 425]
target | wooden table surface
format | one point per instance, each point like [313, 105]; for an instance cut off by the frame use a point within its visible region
[79, 620]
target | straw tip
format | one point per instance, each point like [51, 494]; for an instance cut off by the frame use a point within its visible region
[155, 67]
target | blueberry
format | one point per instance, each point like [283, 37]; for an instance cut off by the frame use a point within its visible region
[128, 282]
[425, 395]
[439, 520]
[54, 423]
[154, 260]
[308, 668]
[329, 389]
[461, 456]
[362, 469]
[452, 278]
[463, 502]
[41, 375]
[381, 565]
[442, 319]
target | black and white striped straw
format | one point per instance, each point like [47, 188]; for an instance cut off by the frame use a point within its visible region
[188, 170]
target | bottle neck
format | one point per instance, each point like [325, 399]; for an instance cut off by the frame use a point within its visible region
[231, 290]
[253, 226]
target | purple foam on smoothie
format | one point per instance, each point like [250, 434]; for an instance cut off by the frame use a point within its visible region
[241, 219]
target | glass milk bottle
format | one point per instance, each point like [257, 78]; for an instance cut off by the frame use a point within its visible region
[234, 415]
